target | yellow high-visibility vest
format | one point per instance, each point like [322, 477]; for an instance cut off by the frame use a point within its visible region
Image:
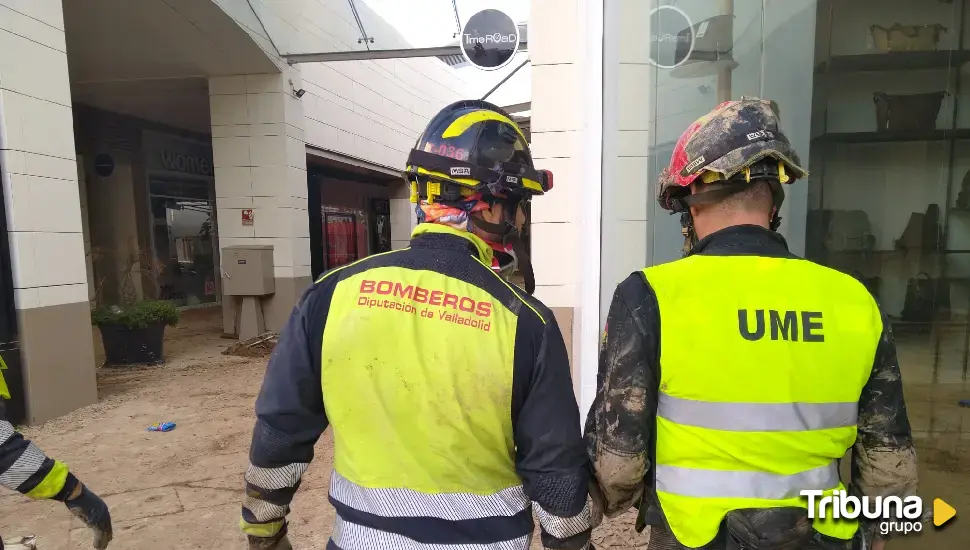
[762, 364]
[4, 390]
[449, 422]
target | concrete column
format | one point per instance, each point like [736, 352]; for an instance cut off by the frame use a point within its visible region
[40, 184]
[403, 219]
[259, 154]
[86, 227]
[565, 48]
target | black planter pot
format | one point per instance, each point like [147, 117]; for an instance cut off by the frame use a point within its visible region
[133, 346]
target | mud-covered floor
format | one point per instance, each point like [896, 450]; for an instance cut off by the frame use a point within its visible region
[182, 489]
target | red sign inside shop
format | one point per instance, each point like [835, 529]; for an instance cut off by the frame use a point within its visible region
[341, 233]
[247, 216]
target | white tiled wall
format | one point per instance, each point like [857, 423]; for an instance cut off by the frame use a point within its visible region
[566, 123]
[403, 218]
[40, 180]
[371, 110]
[628, 96]
[260, 164]
[557, 126]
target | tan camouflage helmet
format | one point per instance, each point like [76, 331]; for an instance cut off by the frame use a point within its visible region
[723, 146]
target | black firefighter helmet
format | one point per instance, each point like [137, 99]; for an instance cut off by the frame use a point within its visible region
[473, 147]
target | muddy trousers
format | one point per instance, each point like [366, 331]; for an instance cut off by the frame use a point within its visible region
[662, 539]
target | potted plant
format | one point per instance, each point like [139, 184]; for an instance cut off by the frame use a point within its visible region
[133, 330]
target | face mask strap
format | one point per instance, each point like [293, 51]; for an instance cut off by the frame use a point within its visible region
[510, 235]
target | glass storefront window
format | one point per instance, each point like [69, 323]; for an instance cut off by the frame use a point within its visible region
[886, 196]
[184, 241]
[735, 48]
[874, 96]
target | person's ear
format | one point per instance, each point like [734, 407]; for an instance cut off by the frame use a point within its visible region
[520, 217]
[493, 214]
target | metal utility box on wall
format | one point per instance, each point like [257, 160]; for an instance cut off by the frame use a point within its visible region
[248, 270]
[247, 275]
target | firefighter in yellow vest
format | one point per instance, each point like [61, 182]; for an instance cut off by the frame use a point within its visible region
[447, 388]
[26, 469]
[735, 378]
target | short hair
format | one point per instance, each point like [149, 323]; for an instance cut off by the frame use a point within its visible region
[757, 198]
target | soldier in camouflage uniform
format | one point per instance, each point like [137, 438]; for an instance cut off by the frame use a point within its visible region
[798, 396]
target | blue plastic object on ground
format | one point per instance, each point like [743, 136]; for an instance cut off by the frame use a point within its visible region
[965, 403]
[162, 427]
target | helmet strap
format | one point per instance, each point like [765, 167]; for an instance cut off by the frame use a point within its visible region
[687, 230]
[682, 206]
[510, 235]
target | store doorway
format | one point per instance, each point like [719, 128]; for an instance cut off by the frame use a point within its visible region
[184, 241]
[349, 214]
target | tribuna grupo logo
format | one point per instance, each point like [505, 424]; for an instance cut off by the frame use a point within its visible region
[893, 514]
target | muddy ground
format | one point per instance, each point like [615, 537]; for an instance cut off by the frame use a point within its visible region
[182, 489]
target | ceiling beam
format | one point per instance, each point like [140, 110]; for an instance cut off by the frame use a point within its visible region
[359, 55]
[518, 107]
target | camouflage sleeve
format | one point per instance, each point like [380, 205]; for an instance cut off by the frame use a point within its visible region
[883, 458]
[619, 426]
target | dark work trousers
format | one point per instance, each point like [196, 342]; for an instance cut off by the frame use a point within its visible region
[662, 539]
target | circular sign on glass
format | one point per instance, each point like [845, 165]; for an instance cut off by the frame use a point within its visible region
[489, 39]
[671, 37]
[104, 165]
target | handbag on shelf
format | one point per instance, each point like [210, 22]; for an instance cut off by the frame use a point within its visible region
[963, 198]
[924, 232]
[932, 229]
[848, 230]
[907, 111]
[906, 38]
[925, 297]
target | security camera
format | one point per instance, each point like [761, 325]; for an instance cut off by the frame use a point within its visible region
[296, 93]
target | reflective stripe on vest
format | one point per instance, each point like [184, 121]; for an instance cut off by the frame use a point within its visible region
[691, 482]
[757, 417]
[352, 536]
[762, 364]
[4, 390]
[405, 503]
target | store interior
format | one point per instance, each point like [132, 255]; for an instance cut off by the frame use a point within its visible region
[353, 216]
[889, 191]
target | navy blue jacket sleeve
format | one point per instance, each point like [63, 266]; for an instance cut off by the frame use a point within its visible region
[290, 415]
[550, 454]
